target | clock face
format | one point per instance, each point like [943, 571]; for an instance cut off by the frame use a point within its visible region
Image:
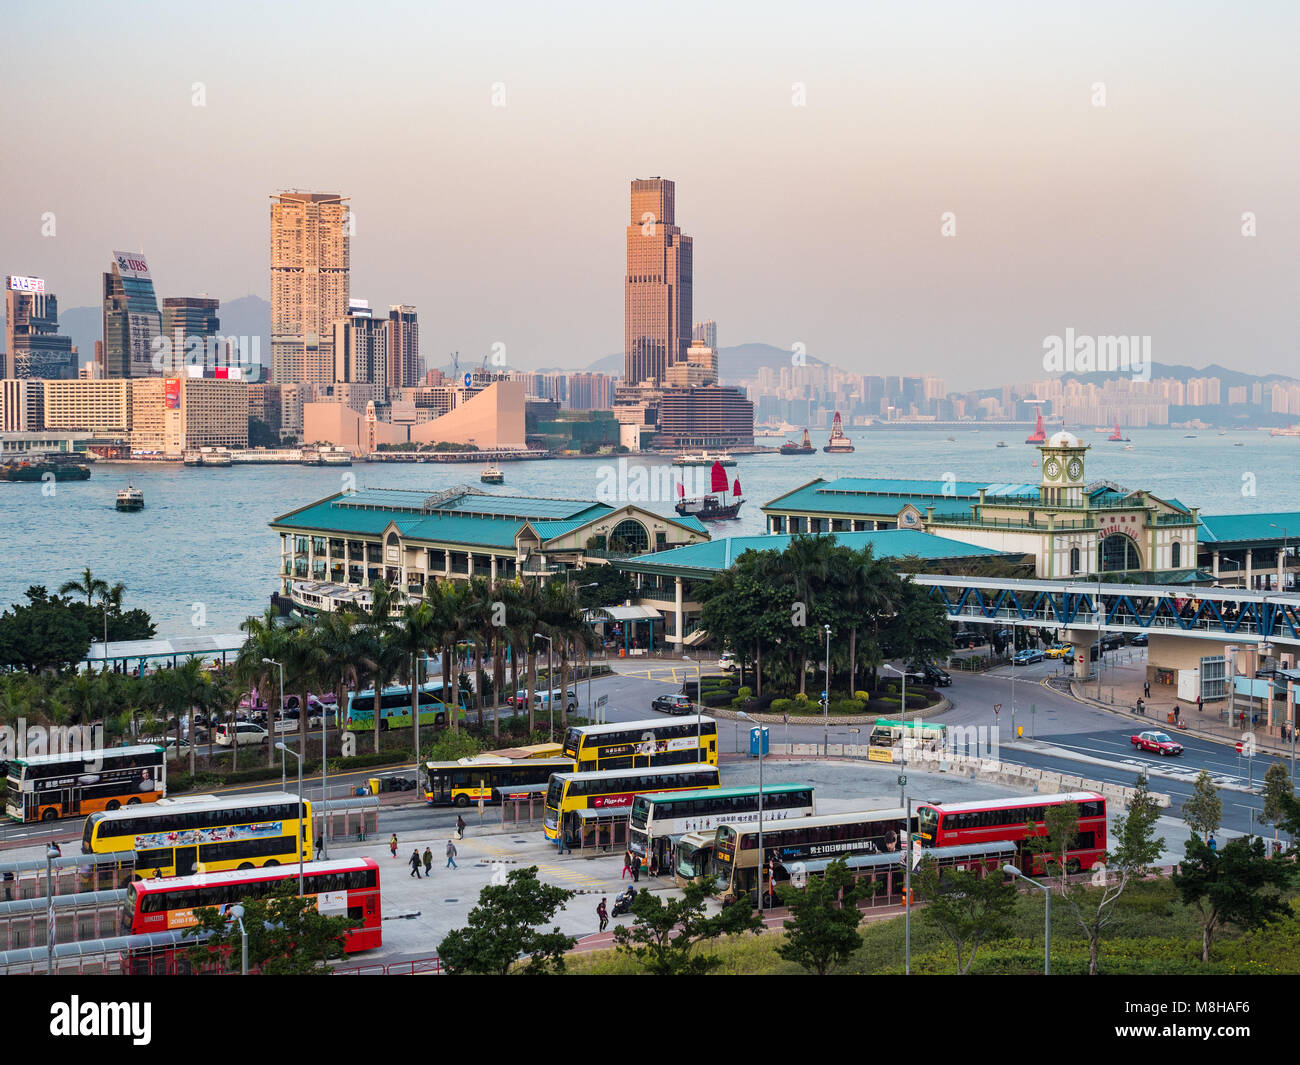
[1052, 468]
[1076, 469]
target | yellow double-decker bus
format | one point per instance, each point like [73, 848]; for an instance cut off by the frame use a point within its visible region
[461, 783]
[637, 744]
[205, 834]
[614, 789]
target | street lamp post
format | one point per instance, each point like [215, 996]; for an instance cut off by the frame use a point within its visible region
[699, 705]
[1281, 580]
[1011, 870]
[826, 697]
[902, 777]
[741, 713]
[237, 912]
[270, 729]
[1100, 614]
[550, 680]
[51, 852]
[593, 584]
[283, 751]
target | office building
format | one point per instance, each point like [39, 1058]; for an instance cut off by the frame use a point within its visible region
[361, 349]
[33, 347]
[657, 284]
[172, 414]
[190, 326]
[131, 321]
[403, 342]
[708, 417]
[88, 406]
[309, 283]
[264, 405]
[699, 368]
[707, 332]
[590, 391]
[22, 405]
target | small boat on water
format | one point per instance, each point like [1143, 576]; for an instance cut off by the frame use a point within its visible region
[130, 498]
[1001, 443]
[804, 447]
[838, 444]
[1189, 436]
[713, 506]
[1238, 443]
[1128, 447]
[492, 475]
[952, 440]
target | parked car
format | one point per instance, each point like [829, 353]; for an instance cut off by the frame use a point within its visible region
[673, 704]
[1111, 640]
[966, 640]
[331, 714]
[1140, 640]
[727, 662]
[246, 732]
[1027, 656]
[1059, 650]
[520, 698]
[931, 674]
[1159, 742]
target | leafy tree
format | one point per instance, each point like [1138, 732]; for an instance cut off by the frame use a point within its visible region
[287, 934]
[42, 635]
[1236, 885]
[504, 926]
[823, 927]
[262, 435]
[1203, 812]
[1277, 788]
[967, 907]
[664, 933]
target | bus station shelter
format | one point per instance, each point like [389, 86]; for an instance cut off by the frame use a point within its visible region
[135, 656]
[518, 794]
[602, 829]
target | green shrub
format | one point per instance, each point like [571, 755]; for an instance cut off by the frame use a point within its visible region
[716, 698]
[864, 696]
[746, 692]
[781, 706]
[801, 698]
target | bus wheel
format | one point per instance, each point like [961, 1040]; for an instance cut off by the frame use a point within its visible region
[462, 800]
[134, 800]
[383, 724]
[269, 862]
[49, 814]
[1072, 865]
[112, 804]
[245, 865]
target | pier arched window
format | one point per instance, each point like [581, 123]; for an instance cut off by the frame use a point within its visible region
[630, 536]
[1176, 555]
[1118, 552]
[1074, 560]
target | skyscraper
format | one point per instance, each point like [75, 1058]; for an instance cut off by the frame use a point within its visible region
[707, 332]
[33, 347]
[657, 285]
[130, 316]
[309, 283]
[404, 366]
[360, 347]
[190, 324]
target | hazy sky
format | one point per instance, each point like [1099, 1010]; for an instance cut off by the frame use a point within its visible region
[817, 224]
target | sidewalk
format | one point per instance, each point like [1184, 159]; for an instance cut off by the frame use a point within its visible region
[1122, 687]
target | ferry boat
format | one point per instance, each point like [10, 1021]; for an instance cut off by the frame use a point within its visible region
[1293, 430]
[1040, 432]
[687, 458]
[492, 475]
[207, 456]
[130, 498]
[326, 455]
[1117, 437]
[28, 470]
[804, 447]
[712, 506]
[838, 444]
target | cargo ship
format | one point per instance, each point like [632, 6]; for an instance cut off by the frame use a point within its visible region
[838, 444]
[1117, 437]
[1040, 431]
[28, 470]
[804, 447]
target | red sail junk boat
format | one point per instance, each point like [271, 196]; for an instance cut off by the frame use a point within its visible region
[711, 507]
[1040, 432]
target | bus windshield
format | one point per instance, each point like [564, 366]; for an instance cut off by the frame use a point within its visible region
[553, 792]
[640, 811]
[927, 820]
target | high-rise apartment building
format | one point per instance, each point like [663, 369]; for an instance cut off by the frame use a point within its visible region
[404, 365]
[361, 350]
[657, 286]
[131, 321]
[707, 331]
[190, 325]
[309, 283]
[33, 347]
[22, 405]
[590, 391]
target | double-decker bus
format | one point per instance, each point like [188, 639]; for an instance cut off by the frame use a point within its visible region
[634, 744]
[395, 708]
[348, 888]
[657, 821]
[736, 858]
[180, 837]
[1016, 820]
[888, 733]
[614, 789]
[461, 783]
[44, 787]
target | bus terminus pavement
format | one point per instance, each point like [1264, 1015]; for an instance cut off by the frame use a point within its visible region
[658, 821]
[461, 783]
[787, 843]
[1016, 820]
[568, 793]
[635, 744]
[47, 786]
[203, 833]
[348, 888]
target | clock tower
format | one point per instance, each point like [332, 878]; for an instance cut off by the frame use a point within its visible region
[1062, 466]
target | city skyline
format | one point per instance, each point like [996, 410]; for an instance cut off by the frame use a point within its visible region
[817, 178]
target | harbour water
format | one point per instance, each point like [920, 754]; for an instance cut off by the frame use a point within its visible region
[200, 557]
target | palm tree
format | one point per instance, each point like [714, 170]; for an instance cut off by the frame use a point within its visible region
[411, 640]
[266, 639]
[343, 657]
[302, 669]
[455, 602]
[563, 620]
[89, 586]
[523, 618]
[381, 656]
[188, 688]
[479, 626]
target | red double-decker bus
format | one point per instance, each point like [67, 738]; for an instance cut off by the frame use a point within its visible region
[1016, 820]
[348, 888]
